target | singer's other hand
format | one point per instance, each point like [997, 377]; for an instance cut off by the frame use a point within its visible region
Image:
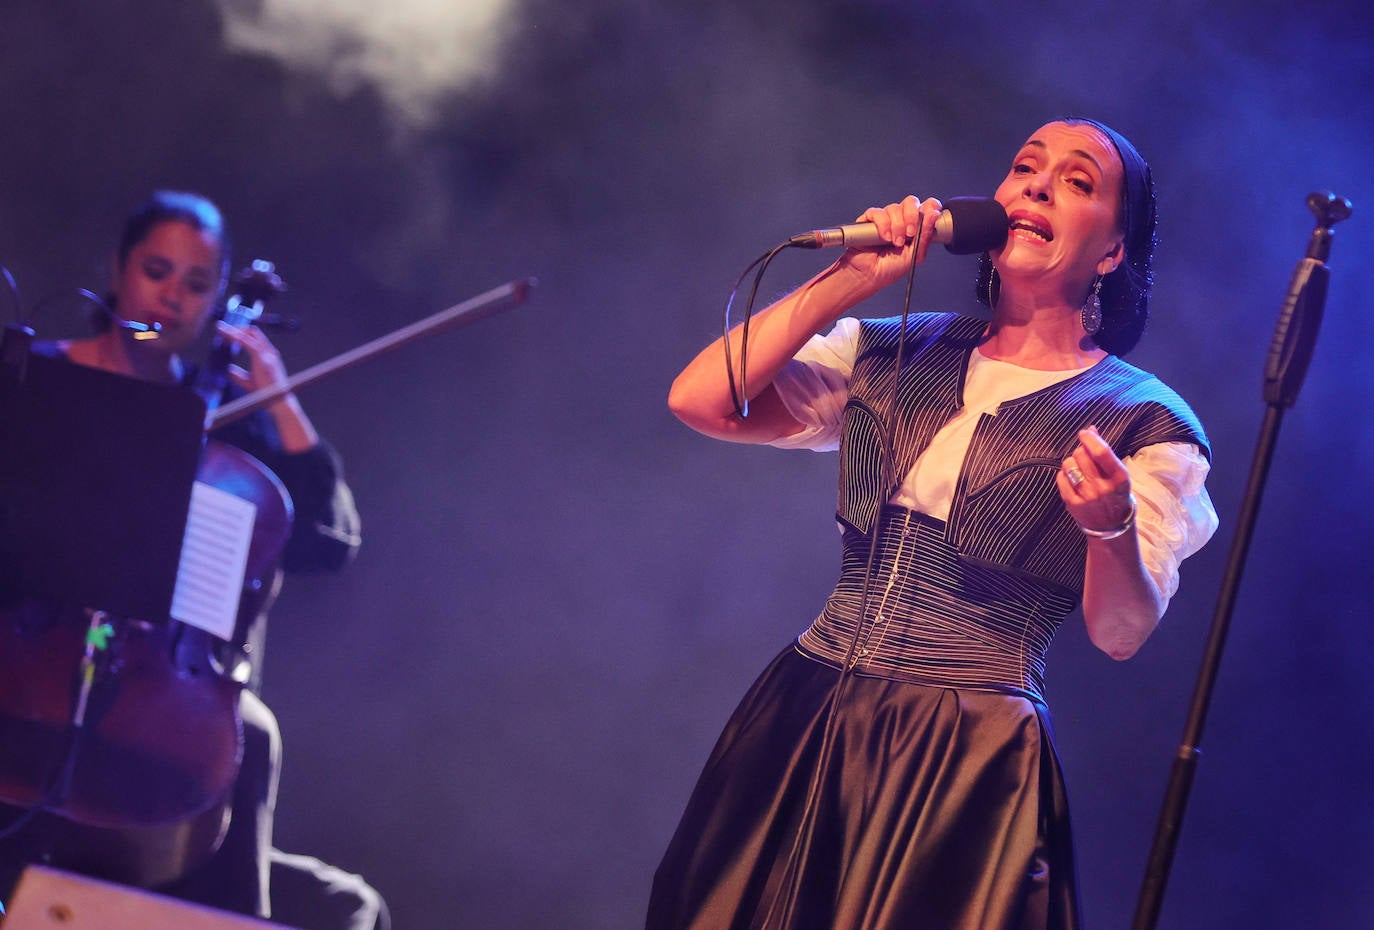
[898, 223]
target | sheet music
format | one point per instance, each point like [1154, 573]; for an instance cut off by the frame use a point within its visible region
[214, 557]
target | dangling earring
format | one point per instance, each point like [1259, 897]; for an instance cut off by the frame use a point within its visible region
[1092, 309]
[992, 283]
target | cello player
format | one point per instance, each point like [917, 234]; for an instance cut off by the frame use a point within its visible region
[170, 269]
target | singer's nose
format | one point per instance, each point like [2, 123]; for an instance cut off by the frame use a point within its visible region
[1038, 186]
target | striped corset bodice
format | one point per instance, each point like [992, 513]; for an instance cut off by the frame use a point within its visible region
[933, 617]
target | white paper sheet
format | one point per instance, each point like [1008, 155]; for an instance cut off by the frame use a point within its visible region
[214, 556]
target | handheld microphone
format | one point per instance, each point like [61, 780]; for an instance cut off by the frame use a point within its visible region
[967, 225]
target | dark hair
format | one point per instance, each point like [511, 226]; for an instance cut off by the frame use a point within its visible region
[196, 211]
[192, 209]
[1126, 291]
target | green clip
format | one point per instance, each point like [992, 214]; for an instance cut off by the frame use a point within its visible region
[99, 636]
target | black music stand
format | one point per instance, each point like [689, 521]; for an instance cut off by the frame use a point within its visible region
[95, 485]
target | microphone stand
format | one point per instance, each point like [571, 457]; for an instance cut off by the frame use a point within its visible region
[1295, 337]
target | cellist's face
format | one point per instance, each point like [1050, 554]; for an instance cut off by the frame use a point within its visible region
[171, 277]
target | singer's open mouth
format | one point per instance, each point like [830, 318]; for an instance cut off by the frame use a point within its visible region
[1035, 229]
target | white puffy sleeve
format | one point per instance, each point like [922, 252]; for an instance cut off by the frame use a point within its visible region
[1175, 516]
[814, 387]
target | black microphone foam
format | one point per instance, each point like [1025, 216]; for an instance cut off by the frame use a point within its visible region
[977, 225]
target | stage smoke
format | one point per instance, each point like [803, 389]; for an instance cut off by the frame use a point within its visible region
[413, 51]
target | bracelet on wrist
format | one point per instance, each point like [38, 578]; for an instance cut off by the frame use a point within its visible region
[1115, 531]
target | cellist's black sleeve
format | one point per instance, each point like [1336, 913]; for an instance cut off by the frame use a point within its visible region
[326, 527]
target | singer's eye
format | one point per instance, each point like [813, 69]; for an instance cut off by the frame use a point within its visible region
[1084, 186]
[1021, 169]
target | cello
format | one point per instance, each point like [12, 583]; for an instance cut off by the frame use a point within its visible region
[120, 737]
[104, 815]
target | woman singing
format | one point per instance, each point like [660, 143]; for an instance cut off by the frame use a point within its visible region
[893, 768]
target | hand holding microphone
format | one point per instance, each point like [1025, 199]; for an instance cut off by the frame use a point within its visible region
[965, 225]
[876, 257]
[877, 240]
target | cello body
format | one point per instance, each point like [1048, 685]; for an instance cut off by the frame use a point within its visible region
[140, 792]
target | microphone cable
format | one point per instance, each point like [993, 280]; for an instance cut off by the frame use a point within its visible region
[888, 468]
[739, 396]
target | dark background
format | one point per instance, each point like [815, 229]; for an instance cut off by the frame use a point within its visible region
[496, 713]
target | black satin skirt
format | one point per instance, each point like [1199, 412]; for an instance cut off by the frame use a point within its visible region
[939, 809]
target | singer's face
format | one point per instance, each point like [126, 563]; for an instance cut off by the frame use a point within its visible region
[171, 277]
[1062, 195]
